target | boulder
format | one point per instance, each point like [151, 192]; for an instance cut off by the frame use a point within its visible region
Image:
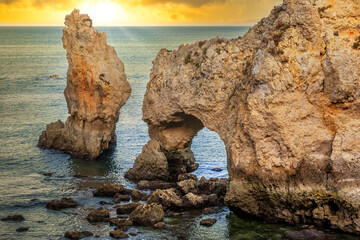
[118, 234]
[207, 211]
[191, 200]
[147, 214]
[137, 195]
[108, 190]
[208, 222]
[161, 225]
[153, 185]
[98, 215]
[22, 229]
[126, 208]
[96, 90]
[121, 197]
[15, 218]
[151, 158]
[212, 200]
[167, 198]
[63, 203]
[189, 185]
[78, 235]
[186, 176]
[213, 185]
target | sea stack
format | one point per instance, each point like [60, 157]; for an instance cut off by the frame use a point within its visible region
[285, 100]
[96, 90]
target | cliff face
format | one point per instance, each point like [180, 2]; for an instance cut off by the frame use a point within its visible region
[285, 99]
[96, 90]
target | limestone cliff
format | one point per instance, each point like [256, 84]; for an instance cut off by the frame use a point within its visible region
[96, 90]
[285, 99]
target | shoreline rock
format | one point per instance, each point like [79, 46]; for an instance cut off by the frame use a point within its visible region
[98, 215]
[96, 90]
[14, 218]
[285, 100]
[147, 214]
[65, 202]
[78, 235]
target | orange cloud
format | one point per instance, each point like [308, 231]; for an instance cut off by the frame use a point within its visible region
[138, 12]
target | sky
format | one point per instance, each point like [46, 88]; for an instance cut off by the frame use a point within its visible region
[137, 12]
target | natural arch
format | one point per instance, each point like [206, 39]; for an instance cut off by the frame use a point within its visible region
[284, 99]
[168, 153]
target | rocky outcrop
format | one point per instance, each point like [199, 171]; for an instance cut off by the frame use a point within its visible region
[63, 203]
[147, 214]
[285, 100]
[96, 90]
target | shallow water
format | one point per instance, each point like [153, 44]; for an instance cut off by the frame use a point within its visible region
[29, 100]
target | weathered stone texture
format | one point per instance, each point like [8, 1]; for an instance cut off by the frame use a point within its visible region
[96, 90]
[285, 99]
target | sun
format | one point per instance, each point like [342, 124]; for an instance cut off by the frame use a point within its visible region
[103, 12]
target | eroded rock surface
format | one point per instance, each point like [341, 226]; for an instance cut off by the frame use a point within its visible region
[285, 100]
[96, 90]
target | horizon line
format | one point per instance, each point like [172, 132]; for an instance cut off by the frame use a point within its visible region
[232, 25]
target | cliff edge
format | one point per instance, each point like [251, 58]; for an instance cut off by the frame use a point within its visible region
[96, 90]
[285, 100]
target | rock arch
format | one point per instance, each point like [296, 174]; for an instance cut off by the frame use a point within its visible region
[285, 100]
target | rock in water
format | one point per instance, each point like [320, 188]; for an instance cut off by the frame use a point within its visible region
[305, 234]
[118, 234]
[147, 214]
[208, 222]
[14, 218]
[284, 98]
[63, 203]
[96, 90]
[98, 215]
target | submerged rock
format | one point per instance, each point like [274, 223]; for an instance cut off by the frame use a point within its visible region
[207, 211]
[22, 229]
[78, 235]
[65, 202]
[96, 90]
[147, 214]
[108, 190]
[15, 218]
[118, 234]
[208, 222]
[285, 100]
[305, 234]
[98, 215]
[161, 225]
[216, 169]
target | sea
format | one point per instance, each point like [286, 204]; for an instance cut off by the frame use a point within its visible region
[30, 99]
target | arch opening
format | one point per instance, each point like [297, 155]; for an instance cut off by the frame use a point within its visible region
[210, 153]
[169, 153]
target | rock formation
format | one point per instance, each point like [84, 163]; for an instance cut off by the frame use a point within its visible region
[285, 99]
[96, 90]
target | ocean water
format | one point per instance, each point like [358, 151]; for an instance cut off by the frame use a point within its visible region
[29, 100]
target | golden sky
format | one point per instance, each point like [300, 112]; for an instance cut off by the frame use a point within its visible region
[137, 12]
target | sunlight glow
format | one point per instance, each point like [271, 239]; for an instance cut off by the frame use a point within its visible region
[103, 13]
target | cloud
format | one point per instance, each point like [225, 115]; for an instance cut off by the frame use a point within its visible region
[142, 12]
[8, 2]
[193, 3]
